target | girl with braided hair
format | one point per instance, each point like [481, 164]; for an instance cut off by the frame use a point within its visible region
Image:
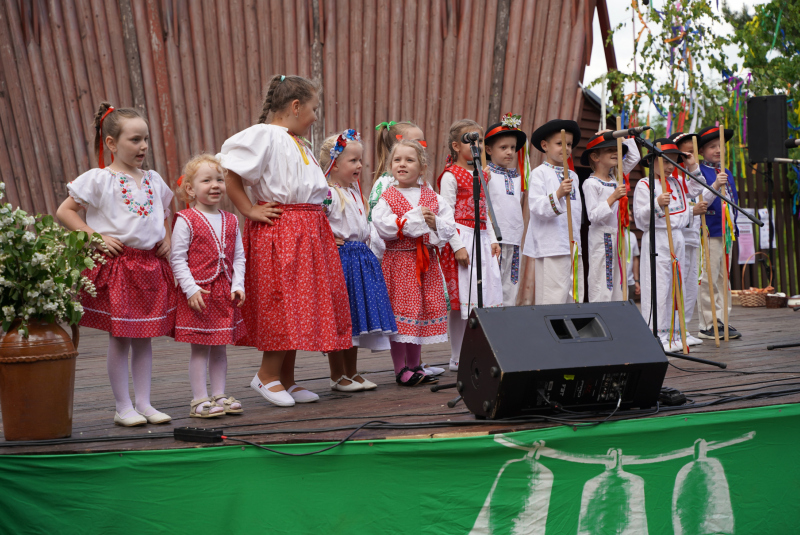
[296, 293]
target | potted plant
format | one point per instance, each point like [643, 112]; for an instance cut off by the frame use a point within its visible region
[41, 265]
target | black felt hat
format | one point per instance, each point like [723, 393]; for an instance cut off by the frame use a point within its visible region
[668, 147]
[508, 126]
[551, 127]
[710, 133]
[679, 137]
[597, 142]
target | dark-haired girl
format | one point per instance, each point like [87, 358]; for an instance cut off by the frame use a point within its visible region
[296, 293]
[135, 296]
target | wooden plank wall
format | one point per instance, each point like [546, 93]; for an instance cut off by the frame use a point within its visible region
[198, 69]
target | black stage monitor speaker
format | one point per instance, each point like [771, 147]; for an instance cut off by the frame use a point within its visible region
[766, 128]
[524, 360]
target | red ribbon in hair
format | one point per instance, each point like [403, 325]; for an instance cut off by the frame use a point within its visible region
[101, 161]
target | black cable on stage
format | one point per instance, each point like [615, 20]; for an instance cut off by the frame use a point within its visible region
[345, 439]
[741, 372]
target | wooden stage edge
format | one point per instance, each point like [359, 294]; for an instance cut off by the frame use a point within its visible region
[752, 369]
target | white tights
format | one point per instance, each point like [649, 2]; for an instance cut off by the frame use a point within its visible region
[141, 369]
[215, 359]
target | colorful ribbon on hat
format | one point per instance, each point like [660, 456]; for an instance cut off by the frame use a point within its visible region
[100, 160]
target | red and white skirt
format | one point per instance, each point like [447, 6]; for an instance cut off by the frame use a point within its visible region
[420, 310]
[136, 296]
[296, 293]
[219, 324]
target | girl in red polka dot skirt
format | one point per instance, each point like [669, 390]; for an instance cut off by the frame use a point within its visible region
[412, 219]
[208, 261]
[135, 299]
[296, 293]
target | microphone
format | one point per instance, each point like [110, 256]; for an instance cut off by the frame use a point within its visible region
[624, 133]
[469, 137]
[792, 143]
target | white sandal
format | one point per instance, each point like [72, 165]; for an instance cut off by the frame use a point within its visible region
[367, 384]
[226, 401]
[205, 411]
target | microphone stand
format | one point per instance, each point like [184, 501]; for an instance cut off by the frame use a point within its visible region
[477, 183]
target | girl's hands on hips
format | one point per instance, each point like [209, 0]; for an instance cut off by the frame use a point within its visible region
[111, 246]
[196, 300]
[430, 217]
[265, 213]
[163, 247]
[238, 294]
[462, 257]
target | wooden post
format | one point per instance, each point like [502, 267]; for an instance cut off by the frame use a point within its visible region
[114, 21]
[498, 60]
[707, 255]
[318, 131]
[671, 253]
[565, 164]
[724, 191]
[623, 276]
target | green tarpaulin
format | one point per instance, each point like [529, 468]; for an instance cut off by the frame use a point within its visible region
[723, 472]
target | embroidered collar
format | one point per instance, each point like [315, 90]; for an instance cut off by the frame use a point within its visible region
[511, 173]
[128, 186]
[604, 182]
[710, 165]
[556, 168]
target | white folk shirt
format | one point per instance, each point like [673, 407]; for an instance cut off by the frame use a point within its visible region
[270, 161]
[448, 188]
[117, 207]
[385, 221]
[505, 191]
[548, 232]
[691, 233]
[596, 192]
[346, 214]
[179, 255]
[680, 211]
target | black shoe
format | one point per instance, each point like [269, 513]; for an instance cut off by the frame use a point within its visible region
[414, 380]
[732, 333]
[708, 334]
[426, 379]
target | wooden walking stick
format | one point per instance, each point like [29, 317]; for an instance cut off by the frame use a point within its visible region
[707, 255]
[681, 312]
[565, 164]
[723, 205]
[621, 234]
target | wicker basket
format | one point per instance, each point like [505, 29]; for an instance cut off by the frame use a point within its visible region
[777, 301]
[754, 298]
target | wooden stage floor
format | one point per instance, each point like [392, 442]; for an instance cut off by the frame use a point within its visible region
[94, 403]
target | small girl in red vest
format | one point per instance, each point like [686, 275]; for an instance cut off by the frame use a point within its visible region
[455, 186]
[208, 261]
[412, 219]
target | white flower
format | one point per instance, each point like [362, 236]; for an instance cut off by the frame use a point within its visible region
[28, 236]
[33, 295]
[9, 312]
[48, 285]
[78, 307]
[50, 307]
[4, 210]
[7, 220]
[10, 234]
[28, 220]
[38, 258]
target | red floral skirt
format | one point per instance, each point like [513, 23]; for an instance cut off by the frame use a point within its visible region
[296, 296]
[420, 310]
[220, 323]
[136, 296]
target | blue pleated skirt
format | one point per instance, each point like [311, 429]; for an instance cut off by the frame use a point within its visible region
[370, 308]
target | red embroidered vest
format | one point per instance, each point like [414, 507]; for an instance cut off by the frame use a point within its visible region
[400, 206]
[465, 203]
[208, 257]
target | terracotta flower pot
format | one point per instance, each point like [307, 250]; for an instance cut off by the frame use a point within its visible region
[37, 381]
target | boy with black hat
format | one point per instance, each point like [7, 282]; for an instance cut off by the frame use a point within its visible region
[607, 208]
[505, 144]
[691, 237]
[709, 148]
[675, 197]
[547, 238]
